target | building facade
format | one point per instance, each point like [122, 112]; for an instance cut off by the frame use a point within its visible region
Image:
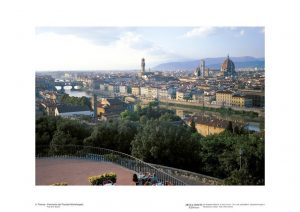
[240, 101]
[202, 68]
[224, 98]
[123, 89]
[103, 87]
[70, 110]
[113, 88]
[135, 90]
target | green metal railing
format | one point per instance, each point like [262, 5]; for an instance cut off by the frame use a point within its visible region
[105, 155]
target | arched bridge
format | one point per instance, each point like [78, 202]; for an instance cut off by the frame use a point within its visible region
[62, 84]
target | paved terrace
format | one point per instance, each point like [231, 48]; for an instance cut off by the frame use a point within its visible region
[76, 171]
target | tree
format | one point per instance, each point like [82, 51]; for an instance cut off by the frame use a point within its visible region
[220, 156]
[166, 144]
[143, 120]
[60, 142]
[115, 135]
[72, 100]
[193, 126]
[154, 103]
[236, 130]
[45, 129]
[75, 129]
[128, 115]
[229, 127]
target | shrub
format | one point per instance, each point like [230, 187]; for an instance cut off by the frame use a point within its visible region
[99, 179]
[60, 184]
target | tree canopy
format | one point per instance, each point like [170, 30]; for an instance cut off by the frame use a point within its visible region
[158, 136]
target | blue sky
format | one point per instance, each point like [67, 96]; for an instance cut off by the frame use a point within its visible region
[120, 48]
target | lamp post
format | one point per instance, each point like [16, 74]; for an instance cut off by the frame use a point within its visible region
[241, 152]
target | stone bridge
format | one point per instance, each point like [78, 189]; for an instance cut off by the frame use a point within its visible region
[62, 84]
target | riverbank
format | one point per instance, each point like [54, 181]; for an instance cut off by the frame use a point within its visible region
[221, 110]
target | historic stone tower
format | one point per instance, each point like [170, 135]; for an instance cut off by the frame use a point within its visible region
[202, 68]
[143, 66]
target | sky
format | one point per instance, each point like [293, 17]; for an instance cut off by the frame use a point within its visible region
[122, 48]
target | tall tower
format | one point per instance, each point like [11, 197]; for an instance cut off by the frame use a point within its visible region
[202, 67]
[143, 66]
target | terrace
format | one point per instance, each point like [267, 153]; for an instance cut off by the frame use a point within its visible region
[75, 164]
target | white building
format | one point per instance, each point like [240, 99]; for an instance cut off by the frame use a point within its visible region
[145, 91]
[123, 89]
[163, 93]
[209, 98]
[135, 90]
[103, 87]
[71, 110]
[113, 88]
[153, 92]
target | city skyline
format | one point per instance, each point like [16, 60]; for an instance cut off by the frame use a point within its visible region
[119, 48]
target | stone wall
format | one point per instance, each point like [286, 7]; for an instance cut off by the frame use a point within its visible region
[190, 178]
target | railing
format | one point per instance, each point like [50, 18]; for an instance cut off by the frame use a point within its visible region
[105, 155]
[192, 177]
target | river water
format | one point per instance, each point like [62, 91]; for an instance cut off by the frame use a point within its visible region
[76, 93]
[253, 125]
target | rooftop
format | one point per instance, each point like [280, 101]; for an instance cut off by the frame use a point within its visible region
[71, 108]
[225, 92]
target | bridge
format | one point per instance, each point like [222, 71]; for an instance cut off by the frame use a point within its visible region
[62, 84]
[102, 155]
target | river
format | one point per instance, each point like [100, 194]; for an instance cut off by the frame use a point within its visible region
[252, 123]
[76, 93]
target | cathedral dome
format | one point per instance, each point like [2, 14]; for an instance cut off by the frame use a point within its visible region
[228, 67]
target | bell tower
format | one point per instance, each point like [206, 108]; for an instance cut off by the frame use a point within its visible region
[143, 66]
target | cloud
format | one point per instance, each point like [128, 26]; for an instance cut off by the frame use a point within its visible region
[134, 41]
[200, 32]
[137, 42]
[64, 51]
[96, 35]
[238, 32]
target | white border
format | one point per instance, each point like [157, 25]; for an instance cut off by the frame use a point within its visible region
[19, 19]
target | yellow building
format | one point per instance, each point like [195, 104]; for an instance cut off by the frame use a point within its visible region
[180, 95]
[183, 94]
[240, 101]
[110, 108]
[188, 79]
[203, 87]
[135, 90]
[205, 129]
[100, 110]
[209, 126]
[224, 98]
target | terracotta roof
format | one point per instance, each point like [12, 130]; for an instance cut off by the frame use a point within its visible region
[228, 64]
[227, 92]
[238, 95]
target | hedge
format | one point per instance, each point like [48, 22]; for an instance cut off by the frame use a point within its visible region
[60, 184]
[99, 179]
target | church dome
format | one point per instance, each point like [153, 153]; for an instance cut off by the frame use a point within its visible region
[228, 67]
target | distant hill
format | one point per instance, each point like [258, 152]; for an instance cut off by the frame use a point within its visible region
[214, 63]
